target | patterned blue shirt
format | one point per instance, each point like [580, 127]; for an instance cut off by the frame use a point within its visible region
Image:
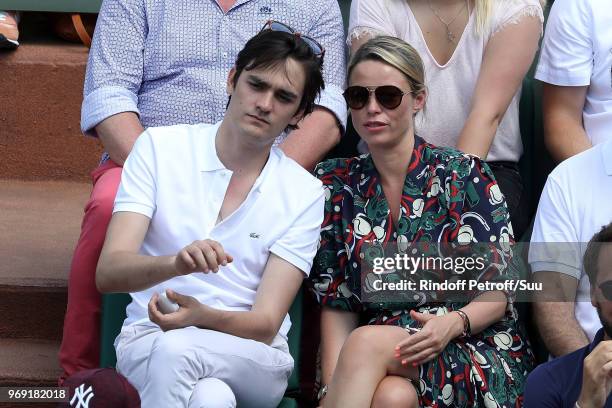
[168, 60]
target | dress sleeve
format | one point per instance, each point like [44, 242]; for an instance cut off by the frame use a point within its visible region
[330, 272]
[481, 225]
[508, 12]
[369, 17]
[115, 66]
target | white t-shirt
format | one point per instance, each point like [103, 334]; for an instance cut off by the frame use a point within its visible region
[577, 51]
[174, 177]
[575, 204]
[452, 85]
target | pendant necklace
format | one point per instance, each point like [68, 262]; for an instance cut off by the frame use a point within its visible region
[449, 34]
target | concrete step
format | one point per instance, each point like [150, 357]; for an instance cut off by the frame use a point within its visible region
[40, 224]
[42, 85]
[27, 362]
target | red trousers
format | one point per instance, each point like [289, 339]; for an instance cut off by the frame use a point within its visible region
[80, 349]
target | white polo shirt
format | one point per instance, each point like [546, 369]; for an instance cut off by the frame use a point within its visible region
[174, 177]
[575, 204]
[577, 51]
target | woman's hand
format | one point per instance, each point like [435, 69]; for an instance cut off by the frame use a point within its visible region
[436, 333]
[189, 313]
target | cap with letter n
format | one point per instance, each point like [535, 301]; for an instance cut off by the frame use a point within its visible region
[100, 388]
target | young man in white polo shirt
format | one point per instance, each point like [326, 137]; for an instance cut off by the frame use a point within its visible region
[576, 68]
[227, 227]
[574, 205]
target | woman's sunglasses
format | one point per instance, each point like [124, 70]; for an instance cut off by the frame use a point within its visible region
[388, 96]
[314, 45]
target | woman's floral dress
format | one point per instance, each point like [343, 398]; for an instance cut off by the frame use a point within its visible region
[448, 197]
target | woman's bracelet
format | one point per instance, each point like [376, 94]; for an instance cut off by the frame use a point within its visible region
[467, 328]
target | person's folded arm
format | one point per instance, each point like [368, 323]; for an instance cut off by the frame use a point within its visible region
[118, 134]
[114, 76]
[277, 289]
[564, 133]
[317, 134]
[503, 67]
[320, 131]
[120, 267]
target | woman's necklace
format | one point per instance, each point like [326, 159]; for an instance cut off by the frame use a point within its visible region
[449, 34]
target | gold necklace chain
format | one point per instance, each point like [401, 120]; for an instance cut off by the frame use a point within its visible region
[449, 34]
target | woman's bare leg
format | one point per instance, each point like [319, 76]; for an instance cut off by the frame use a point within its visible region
[367, 357]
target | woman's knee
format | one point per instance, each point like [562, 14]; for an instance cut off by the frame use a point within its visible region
[395, 392]
[373, 342]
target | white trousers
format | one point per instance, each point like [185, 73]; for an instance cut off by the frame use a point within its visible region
[197, 368]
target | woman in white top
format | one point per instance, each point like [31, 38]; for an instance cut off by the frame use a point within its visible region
[476, 53]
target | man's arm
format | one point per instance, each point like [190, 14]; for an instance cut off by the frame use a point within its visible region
[114, 77]
[122, 269]
[564, 133]
[118, 134]
[277, 289]
[318, 133]
[554, 313]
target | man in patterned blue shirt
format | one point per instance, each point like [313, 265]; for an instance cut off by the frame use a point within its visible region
[156, 63]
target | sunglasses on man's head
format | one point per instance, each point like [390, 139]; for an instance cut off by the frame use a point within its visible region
[314, 45]
[388, 96]
[606, 289]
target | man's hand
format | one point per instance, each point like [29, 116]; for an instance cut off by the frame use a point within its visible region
[435, 335]
[201, 256]
[190, 311]
[597, 376]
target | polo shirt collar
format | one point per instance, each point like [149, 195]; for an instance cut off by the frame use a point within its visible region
[606, 151]
[209, 160]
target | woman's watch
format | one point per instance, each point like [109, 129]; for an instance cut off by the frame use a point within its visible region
[322, 393]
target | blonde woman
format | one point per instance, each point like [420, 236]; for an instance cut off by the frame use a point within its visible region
[460, 352]
[476, 53]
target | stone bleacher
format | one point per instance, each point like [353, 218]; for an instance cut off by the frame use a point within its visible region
[44, 185]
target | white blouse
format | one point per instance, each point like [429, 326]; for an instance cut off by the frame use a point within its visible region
[451, 85]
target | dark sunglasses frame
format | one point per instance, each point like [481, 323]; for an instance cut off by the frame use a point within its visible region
[357, 102]
[606, 289]
[315, 46]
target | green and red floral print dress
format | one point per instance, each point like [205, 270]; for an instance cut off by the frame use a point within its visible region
[448, 196]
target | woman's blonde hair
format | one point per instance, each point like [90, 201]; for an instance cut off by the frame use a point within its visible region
[396, 53]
